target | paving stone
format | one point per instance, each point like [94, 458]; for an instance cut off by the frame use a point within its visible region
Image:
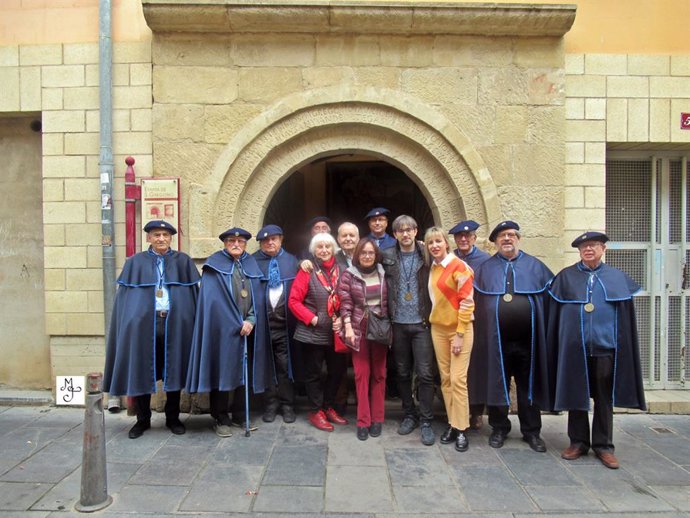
[347, 450]
[20, 496]
[651, 467]
[301, 433]
[147, 499]
[678, 423]
[51, 464]
[250, 451]
[172, 466]
[223, 488]
[536, 469]
[479, 454]
[289, 499]
[564, 498]
[358, 489]
[618, 490]
[491, 489]
[417, 467]
[297, 466]
[677, 496]
[425, 499]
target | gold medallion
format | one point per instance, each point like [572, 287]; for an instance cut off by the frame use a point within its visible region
[244, 293]
[408, 295]
[507, 297]
[159, 294]
[589, 307]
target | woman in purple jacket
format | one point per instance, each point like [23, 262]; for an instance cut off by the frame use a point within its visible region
[362, 289]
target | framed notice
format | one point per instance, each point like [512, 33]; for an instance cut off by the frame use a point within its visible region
[160, 199]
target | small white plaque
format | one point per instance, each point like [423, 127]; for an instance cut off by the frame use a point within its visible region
[70, 390]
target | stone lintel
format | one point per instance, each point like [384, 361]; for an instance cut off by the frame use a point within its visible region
[353, 17]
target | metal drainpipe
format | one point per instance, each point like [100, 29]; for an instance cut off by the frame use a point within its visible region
[105, 161]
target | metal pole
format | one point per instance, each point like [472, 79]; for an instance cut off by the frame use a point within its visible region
[245, 361]
[94, 480]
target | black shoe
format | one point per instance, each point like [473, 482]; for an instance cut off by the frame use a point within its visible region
[450, 435]
[362, 433]
[535, 442]
[427, 433]
[175, 426]
[139, 428]
[461, 443]
[497, 438]
[270, 414]
[375, 429]
[408, 424]
[289, 415]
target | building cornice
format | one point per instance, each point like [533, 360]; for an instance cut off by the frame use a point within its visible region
[353, 17]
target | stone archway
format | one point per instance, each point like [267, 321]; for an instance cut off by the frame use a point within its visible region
[392, 126]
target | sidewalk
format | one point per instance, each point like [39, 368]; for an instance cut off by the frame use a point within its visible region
[295, 470]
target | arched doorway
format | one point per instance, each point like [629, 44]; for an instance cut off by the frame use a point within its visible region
[344, 188]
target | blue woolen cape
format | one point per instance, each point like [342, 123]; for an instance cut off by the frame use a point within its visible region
[486, 380]
[130, 352]
[567, 348]
[216, 361]
[287, 264]
[474, 258]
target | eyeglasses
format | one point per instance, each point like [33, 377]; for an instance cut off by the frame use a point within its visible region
[405, 230]
[594, 245]
[509, 235]
[367, 254]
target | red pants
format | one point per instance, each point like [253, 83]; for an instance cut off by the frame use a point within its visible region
[370, 381]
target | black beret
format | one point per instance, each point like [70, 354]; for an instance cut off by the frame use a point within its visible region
[503, 225]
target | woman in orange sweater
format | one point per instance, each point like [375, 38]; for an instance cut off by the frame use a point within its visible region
[452, 306]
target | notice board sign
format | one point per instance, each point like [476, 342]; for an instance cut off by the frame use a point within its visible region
[160, 199]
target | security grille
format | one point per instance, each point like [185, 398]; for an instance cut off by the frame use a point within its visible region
[647, 220]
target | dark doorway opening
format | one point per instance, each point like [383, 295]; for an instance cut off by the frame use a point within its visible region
[344, 189]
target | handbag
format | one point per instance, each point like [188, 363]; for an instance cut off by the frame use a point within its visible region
[339, 343]
[379, 328]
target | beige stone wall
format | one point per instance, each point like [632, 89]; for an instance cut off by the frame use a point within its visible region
[60, 82]
[615, 98]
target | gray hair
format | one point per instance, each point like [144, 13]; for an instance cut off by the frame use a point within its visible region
[322, 238]
[403, 221]
[348, 224]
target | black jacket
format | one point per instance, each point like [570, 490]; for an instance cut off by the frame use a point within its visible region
[391, 264]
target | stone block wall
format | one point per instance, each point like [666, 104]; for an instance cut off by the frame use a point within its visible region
[60, 82]
[615, 98]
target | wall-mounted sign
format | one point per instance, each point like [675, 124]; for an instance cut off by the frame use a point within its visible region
[160, 199]
[685, 121]
[69, 390]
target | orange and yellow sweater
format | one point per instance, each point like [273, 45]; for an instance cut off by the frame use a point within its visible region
[451, 292]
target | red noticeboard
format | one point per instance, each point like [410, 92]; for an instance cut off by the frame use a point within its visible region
[160, 199]
[685, 121]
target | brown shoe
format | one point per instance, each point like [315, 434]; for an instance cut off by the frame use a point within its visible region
[573, 452]
[608, 459]
[318, 420]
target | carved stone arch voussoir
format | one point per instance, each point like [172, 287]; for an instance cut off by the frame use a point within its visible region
[390, 125]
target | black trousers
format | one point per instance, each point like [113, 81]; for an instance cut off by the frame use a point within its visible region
[219, 399]
[322, 395]
[412, 349]
[600, 369]
[172, 403]
[282, 394]
[516, 363]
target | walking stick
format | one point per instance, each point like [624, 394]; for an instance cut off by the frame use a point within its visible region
[245, 369]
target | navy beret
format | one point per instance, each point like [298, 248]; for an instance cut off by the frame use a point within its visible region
[378, 211]
[159, 224]
[267, 231]
[503, 225]
[236, 232]
[589, 236]
[313, 221]
[464, 226]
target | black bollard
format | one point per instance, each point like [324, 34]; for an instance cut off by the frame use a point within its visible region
[94, 480]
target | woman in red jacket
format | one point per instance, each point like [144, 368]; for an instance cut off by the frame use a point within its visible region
[362, 290]
[314, 302]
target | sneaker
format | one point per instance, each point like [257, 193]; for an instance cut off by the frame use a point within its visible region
[428, 435]
[241, 424]
[289, 415]
[408, 424]
[222, 430]
[139, 428]
[375, 429]
[175, 426]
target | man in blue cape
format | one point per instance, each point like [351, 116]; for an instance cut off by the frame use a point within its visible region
[595, 348]
[465, 236]
[151, 328]
[510, 297]
[230, 346]
[279, 269]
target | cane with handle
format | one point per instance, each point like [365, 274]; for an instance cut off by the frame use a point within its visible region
[245, 369]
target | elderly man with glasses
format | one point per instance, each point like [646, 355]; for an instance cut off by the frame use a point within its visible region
[510, 295]
[592, 333]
